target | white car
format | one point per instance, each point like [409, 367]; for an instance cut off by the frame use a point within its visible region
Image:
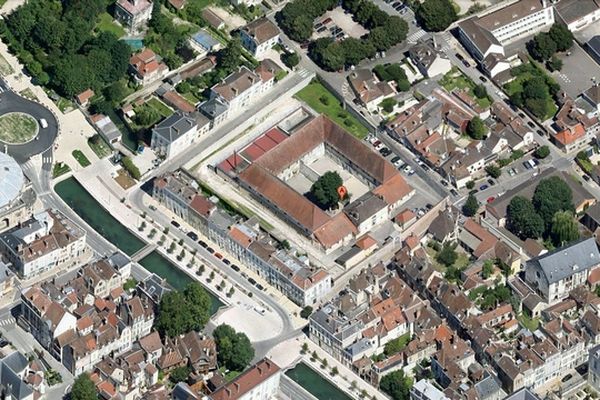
[379, 146]
[43, 123]
[408, 170]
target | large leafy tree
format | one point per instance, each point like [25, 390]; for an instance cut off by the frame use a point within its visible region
[181, 312]
[550, 196]
[436, 15]
[83, 388]
[234, 348]
[476, 129]
[229, 57]
[542, 47]
[325, 189]
[564, 228]
[396, 385]
[562, 36]
[522, 219]
[447, 254]
[471, 206]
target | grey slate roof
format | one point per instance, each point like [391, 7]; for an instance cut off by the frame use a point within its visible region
[175, 126]
[523, 394]
[213, 108]
[562, 262]
[488, 388]
[10, 367]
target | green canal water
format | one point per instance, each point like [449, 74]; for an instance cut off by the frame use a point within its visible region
[102, 222]
[314, 383]
[162, 267]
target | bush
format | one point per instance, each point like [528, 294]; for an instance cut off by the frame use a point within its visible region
[324, 100]
[493, 171]
[306, 312]
[131, 168]
[542, 152]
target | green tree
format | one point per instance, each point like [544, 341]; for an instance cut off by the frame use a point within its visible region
[564, 228]
[562, 37]
[471, 206]
[476, 129]
[179, 374]
[290, 59]
[146, 115]
[306, 312]
[115, 92]
[83, 388]
[522, 218]
[396, 385]
[447, 254]
[494, 171]
[182, 312]
[552, 195]
[542, 47]
[436, 15]
[229, 57]
[480, 91]
[131, 168]
[555, 63]
[542, 152]
[325, 189]
[388, 104]
[487, 269]
[234, 349]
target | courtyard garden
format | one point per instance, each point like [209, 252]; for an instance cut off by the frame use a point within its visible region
[324, 102]
[17, 128]
[455, 79]
[534, 90]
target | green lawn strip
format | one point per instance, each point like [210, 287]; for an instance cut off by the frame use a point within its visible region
[107, 24]
[315, 92]
[60, 168]
[99, 146]
[81, 158]
[5, 68]
[159, 106]
[28, 94]
[190, 97]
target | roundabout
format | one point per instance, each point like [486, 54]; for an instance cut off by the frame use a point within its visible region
[21, 135]
[17, 128]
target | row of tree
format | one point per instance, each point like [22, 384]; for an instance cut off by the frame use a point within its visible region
[56, 43]
[549, 214]
[545, 44]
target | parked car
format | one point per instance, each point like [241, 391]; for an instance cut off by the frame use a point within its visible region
[527, 165]
[454, 192]
[521, 115]
[175, 224]
[428, 206]
[482, 78]
[318, 25]
[259, 286]
[466, 63]
[483, 187]
[385, 152]
[210, 250]
[490, 199]
[396, 161]
[459, 56]
[408, 169]
[396, 4]
[531, 124]
[219, 256]
[202, 243]
[491, 182]
[226, 261]
[444, 182]
[252, 281]
[379, 146]
[511, 172]
[322, 29]
[192, 235]
[235, 268]
[586, 178]
[540, 132]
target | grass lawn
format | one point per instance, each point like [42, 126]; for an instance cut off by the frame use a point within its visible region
[81, 158]
[5, 68]
[107, 24]
[315, 93]
[190, 97]
[159, 106]
[60, 168]
[17, 128]
[456, 80]
[65, 105]
[99, 146]
[28, 94]
[529, 323]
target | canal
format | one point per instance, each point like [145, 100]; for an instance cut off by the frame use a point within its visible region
[177, 278]
[102, 222]
[314, 383]
[97, 217]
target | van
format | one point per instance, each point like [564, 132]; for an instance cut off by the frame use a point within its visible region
[43, 123]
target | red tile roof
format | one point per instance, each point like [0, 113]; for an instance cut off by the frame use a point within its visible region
[202, 205]
[244, 383]
[570, 135]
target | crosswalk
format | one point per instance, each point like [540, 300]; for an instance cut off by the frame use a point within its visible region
[8, 321]
[303, 72]
[414, 37]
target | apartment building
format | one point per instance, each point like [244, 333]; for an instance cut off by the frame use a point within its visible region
[555, 274]
[259, 36]
[259, 382]
[177, 133]
[46, 241]
[133, 14]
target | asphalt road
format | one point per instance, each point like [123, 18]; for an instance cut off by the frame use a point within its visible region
[12, 102]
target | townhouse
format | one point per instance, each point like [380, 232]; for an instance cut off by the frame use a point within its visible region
[259, 36]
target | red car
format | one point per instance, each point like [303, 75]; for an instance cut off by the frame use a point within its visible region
[490, 199]
[219, 256]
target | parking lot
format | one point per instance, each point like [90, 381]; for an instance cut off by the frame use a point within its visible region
[577, 72]
[337, 22]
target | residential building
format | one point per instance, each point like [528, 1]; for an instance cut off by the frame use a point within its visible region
[577, 14]
[176, 133]
[259, 382]
[145, 67]
[17, 196]
[553, 275]
[425, 390]
[259, 36]
[368, 89]
[212, 19]
[133, 14]
[46, 241]
[21, 379]
[83, 98]
[428, 60]
[594, 368]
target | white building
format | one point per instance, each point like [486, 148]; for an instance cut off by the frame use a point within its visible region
[176, 133]
[133, 14]
[553, 275]
[259, 382]
[428, 60]
[46, 241]
[594, 368]
[425, 390]
[577, 14]
[259, 36]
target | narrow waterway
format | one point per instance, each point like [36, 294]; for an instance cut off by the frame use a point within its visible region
[112, 230]
[314, 383]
